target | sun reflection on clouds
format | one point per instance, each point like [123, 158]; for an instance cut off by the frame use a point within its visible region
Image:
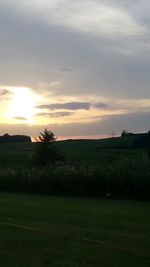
[24, 106]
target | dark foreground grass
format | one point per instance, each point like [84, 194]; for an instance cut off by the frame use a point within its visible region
[38, 231]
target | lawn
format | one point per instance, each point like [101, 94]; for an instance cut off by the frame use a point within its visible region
[39, 231]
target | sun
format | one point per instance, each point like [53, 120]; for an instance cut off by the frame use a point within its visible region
[22, 106]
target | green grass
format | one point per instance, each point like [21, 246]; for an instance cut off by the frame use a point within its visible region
[78, 150]
[15, 154]
[126, 142]
[37, 231]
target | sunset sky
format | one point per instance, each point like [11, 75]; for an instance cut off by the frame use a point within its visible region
[79, 68]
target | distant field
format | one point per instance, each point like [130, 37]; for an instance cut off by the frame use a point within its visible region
[40, 231]
[105, 149]
[17, 153]
[73, 150]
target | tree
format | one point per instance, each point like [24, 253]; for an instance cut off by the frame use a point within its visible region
[6, 138]
[46, 151]
[124, 133]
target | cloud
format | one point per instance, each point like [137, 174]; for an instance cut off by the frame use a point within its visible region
[64, 69]
[55, 114]
[68, 105]
[4, 92]
[100, 105]
[20, 118]
[72, 52]
[90, 16]
[137, 122]
[35, 45]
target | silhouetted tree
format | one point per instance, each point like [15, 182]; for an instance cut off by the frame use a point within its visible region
[46, 151]
[124, 133]
[6, 138]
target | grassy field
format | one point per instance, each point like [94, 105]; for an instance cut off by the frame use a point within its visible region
[43, 231]
[37, 231]
[73, 151]
[15, 153]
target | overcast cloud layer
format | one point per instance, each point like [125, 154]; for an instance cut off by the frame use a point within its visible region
[86, 51]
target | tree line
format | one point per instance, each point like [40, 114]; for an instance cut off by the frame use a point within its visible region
[6, 138]
[142, 140]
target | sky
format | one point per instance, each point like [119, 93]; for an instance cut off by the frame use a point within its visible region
[79, 68]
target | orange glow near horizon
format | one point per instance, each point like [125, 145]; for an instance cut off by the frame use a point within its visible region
[23, 106]
[98, 136]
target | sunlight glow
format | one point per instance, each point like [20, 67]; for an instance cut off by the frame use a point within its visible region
[23, 104]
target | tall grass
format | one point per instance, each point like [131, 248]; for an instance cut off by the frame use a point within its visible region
[125, 178]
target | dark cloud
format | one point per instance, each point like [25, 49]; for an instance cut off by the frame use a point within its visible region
[55, 114]
[20, 118]
[68, 105]
[4, 92]
[100, 105]
[65, 70]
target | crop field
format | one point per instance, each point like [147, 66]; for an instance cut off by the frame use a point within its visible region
[40, 231]
[88, 170]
